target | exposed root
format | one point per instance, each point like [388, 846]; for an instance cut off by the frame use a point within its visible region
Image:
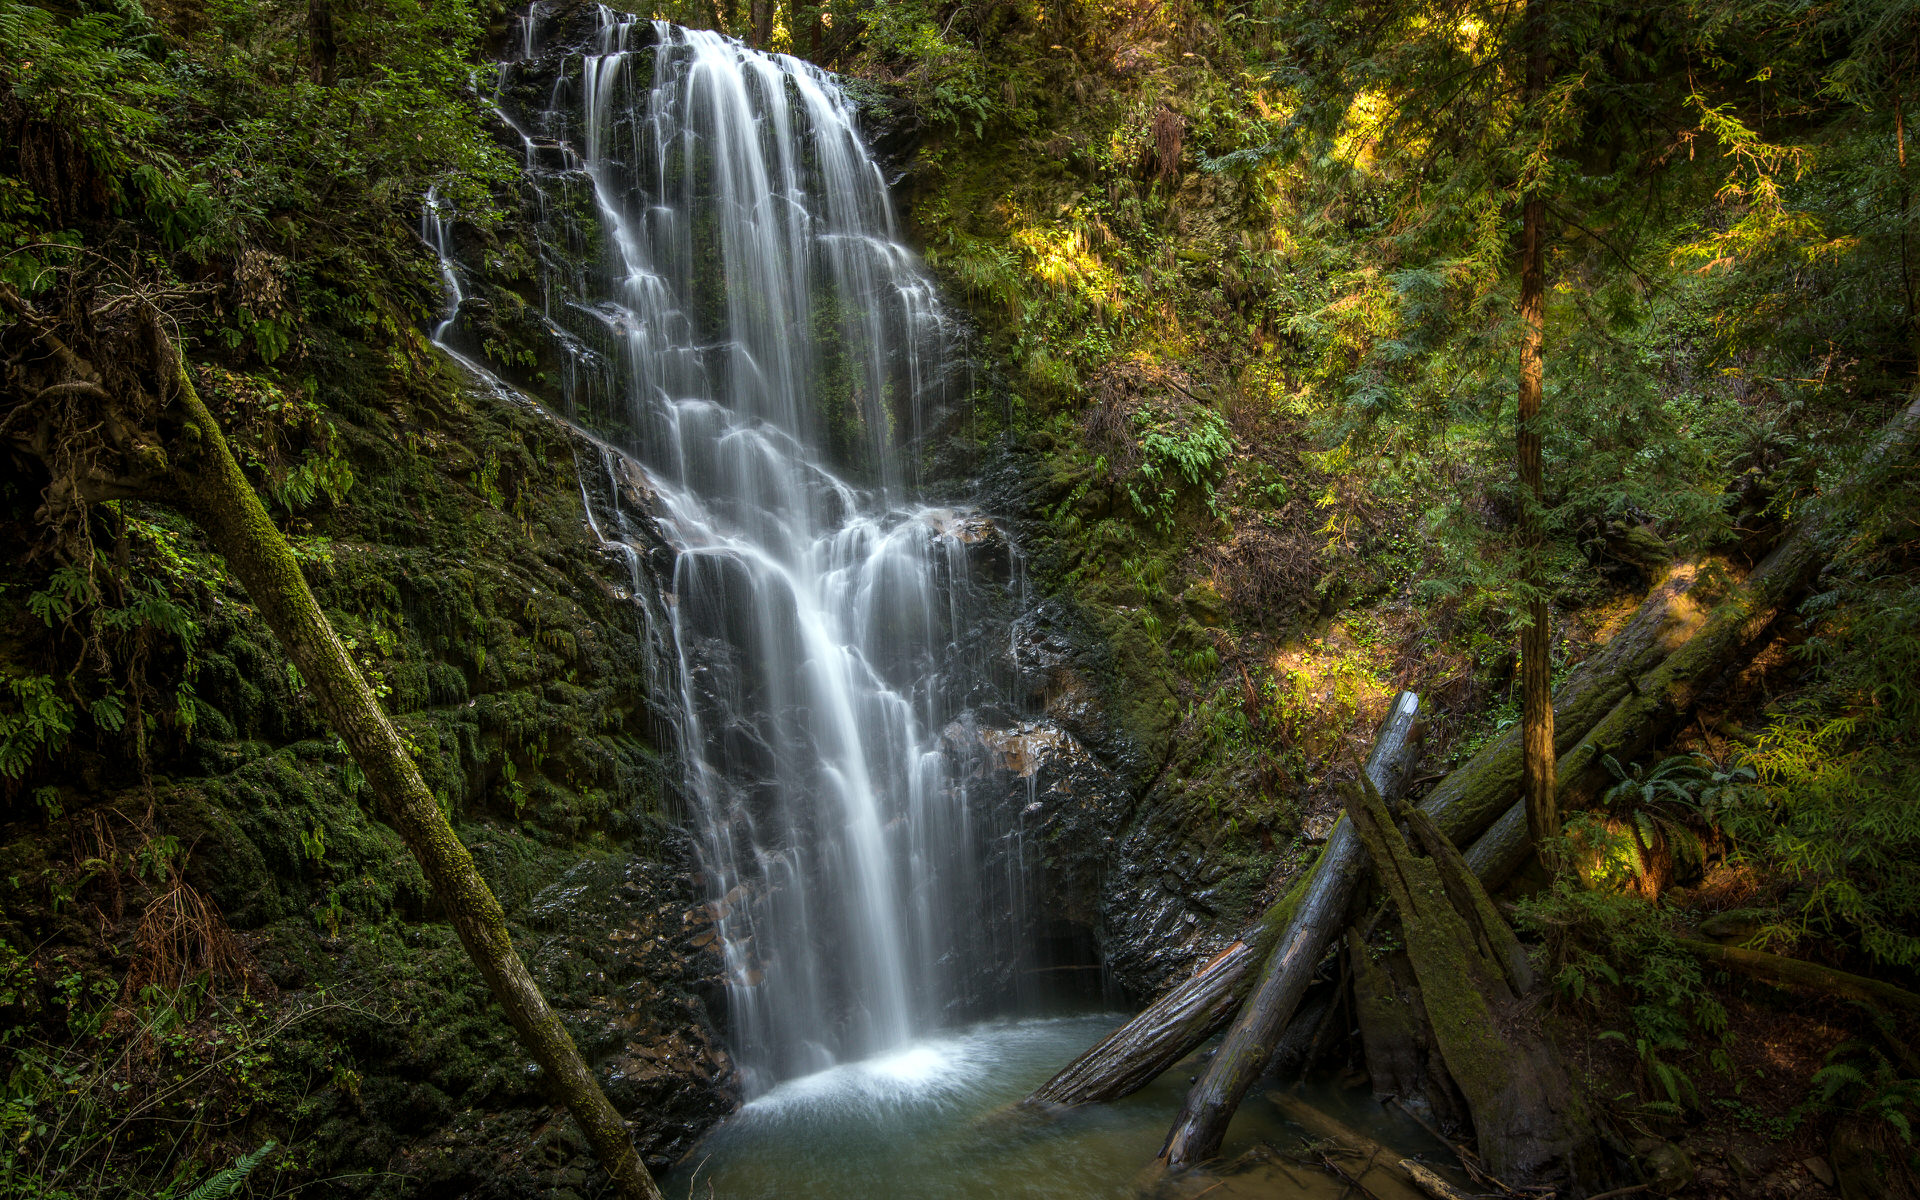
[182, 936]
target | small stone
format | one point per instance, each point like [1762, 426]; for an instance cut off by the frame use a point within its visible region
[1669, 1169]
[1818, 1168]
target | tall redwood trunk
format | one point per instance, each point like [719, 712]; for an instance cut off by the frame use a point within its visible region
[1536, 667]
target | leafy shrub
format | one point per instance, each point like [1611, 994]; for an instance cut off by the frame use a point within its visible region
[1604, 945]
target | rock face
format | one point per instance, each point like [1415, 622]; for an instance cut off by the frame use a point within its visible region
[1110, 881]
[629, 961]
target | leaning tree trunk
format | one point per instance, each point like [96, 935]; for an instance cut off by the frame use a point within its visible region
[1317, 920]
[211, 489]
[1531, 1122]
[1647, 705]
[1169, 1029]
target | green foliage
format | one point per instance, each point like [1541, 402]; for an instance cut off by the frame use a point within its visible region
[39, 723]
[1190, 448]
[228, 1180]
[98, 77]
[173, 1074]
[1859, 1078]
[1613, 951]
[1838, 812]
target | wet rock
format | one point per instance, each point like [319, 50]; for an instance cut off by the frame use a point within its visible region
[1818, 1168]
[629, 973]
[1669, 1168]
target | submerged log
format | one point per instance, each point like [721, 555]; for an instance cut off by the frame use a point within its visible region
[1374, 1156]
[1317, 920]
[1532, 1123]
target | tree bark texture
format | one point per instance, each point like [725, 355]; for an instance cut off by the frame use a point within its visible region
[1185, 1016]
[212, 490]
[323, 50]
[1289, 968]
[1810, 976]
[1536, 640]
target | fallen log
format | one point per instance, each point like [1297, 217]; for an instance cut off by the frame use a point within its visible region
[1645, 704]
[1619, 701]
[1391, 1031]
[1184, 1017]
[1317, 919]
[1176, 1024]
[1799, 973]
[1531, 1122]
[1373, 1155]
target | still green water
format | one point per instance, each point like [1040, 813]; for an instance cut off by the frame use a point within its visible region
[935, 1121]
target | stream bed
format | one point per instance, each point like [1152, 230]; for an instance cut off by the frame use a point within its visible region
[936, 1120]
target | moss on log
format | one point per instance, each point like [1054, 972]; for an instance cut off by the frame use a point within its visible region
[1799, 973]
[1316, 921]
[1532, 1123]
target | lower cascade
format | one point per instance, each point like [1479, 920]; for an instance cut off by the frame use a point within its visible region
[735, 316]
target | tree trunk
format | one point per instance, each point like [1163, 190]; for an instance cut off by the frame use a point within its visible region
[212, 490]
[762, 11]
[1799, 973]
[1392, 1028]
[323, 50]
[1463, 804]
[807, 29]
[1645, 702]
[1316, 922]
[1168, 1030]
[1536, 640]
[1532, 1123]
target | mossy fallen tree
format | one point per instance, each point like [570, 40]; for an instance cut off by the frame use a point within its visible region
[1186, 1016]
[1318, 918]
[1807, 976]
[1463, 804]
[111, 409]
[1622, 701]
[1532, 1123]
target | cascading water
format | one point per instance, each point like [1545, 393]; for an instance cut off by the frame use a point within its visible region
[722, 268]
[726, 308]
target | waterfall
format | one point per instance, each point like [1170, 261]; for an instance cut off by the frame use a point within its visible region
[723, 273]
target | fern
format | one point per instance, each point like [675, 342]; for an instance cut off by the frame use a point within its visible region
[226, 1182]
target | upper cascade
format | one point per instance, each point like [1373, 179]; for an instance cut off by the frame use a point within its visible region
[723, 276]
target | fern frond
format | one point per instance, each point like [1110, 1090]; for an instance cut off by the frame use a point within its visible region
[224, 1183]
